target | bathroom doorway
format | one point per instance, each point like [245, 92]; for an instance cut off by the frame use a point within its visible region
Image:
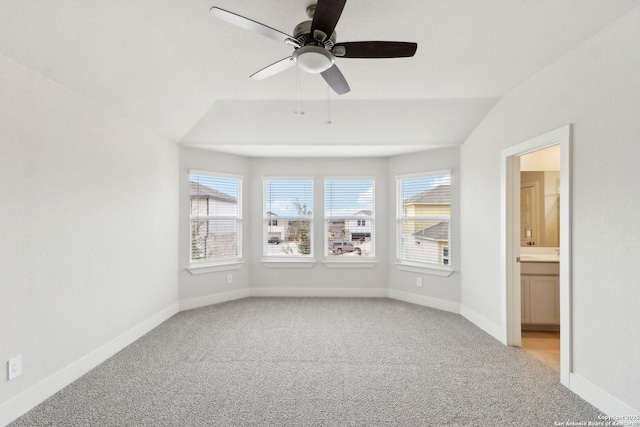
[536, 285]
[539, 255]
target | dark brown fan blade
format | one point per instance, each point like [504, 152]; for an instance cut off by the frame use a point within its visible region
[249, 24]
[375, 49]
[327, 15]
[336, 80]
[275, 68]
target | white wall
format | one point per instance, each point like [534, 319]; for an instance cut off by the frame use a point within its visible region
[441, 292]
[597, 89]
[88, 223]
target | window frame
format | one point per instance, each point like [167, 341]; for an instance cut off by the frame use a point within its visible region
[333, 261]
[401, 216]
[233, 263]
[298, 261]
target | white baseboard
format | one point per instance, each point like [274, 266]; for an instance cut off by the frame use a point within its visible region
[440, 304]
[482, 322]
[214, 299]
[601, 399]
[30, 398]
[320, 292]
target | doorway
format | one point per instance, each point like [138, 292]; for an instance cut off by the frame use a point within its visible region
[511, 241]
[528, 212]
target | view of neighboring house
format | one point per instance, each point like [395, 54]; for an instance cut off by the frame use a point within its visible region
[213, 236]
[359, 229]
[336, 230]
[426, 236]
[432, 243]
[277, 227]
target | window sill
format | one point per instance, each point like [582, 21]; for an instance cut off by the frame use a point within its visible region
[350, 263]
[288, 263]
[434, 270]
[211, 267]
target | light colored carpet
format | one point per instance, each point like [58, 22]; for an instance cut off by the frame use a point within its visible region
[315, 362]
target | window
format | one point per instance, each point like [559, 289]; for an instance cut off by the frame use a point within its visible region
[423, 219]
[216, 218]
[348, 216]
[288, 218]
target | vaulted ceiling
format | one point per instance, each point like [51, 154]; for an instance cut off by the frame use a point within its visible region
[172, 67]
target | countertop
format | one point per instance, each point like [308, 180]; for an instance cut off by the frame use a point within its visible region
[539, 258]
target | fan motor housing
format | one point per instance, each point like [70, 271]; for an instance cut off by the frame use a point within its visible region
[302, 33]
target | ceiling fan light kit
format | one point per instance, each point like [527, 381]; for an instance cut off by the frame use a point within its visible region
[313, 59]
[314, 44]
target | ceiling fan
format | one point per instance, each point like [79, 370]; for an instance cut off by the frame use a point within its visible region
[314, 44]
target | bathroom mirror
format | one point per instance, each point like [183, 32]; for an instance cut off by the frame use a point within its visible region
[540, 198]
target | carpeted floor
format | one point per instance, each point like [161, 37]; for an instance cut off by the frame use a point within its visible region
[315, 362]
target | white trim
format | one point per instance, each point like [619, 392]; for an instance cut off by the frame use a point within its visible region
[603, 400]
[349, 177]
[346, 218]
[237, 218]
[214, 267]
[539, 142]
[510, 241]
[266, 218]
[434, 270]
[320, 292]
[566, 297]
[214, 299]
[290, 262]
[421, 174]
[399, 226]
[30, 398]
[214, 174]
[439, 304]
[288, 178]
[330, 263]
[482, 322]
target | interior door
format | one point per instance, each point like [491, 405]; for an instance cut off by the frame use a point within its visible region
[528, 215]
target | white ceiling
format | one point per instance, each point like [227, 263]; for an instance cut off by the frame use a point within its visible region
[172, 67]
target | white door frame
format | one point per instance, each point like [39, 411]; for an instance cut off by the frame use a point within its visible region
[510, 241]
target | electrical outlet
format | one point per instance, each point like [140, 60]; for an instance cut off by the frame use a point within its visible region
[229, 278]
[14, 367]
[419, 282]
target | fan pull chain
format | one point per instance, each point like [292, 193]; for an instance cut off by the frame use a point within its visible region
[300, 109]
[328, 105]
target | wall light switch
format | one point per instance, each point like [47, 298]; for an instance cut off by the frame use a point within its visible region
[419, 282]
[229, 278]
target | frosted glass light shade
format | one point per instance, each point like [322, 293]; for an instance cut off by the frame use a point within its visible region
[313, 59]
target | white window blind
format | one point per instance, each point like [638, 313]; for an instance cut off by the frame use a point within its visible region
[216, 218]
[288, 217]
[423, 216]
[349, 217]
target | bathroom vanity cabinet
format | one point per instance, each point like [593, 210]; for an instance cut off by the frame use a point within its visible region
[540, 296]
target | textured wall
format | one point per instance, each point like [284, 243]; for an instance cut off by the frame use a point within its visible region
[596, 88]
[88, 226]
